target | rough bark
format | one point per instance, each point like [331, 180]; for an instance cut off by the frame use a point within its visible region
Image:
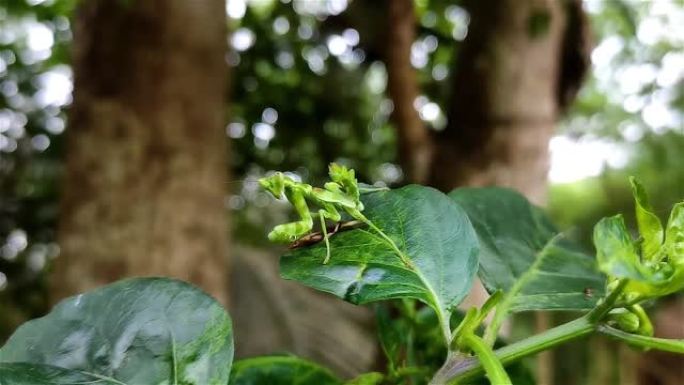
[415, 147]
[504, 103]
[146, 160]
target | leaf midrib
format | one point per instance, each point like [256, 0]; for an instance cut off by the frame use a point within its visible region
[402, 254]
[504, 307]
[102, 377]
[531, 271]
[442, 314]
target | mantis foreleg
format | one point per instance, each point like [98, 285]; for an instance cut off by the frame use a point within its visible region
[324, 230]
[290, 232]
[330, 212]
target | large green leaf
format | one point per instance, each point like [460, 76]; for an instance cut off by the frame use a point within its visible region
[136, 331]
[522, 252]
[431, 232]
[36, 374]
[280, 370]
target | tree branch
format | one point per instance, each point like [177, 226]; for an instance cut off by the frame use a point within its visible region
[415, 145]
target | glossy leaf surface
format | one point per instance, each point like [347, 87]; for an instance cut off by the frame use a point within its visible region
[432, 232]
[522, 251]
[136, 331]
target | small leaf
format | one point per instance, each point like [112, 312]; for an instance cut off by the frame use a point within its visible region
[615, 251]
[650, 228]
[431, 231]
[623, 319]
[617, 256]
[136, 331]
[373, 378]
[34, 374]
[659, 269]
[521, 251]
[674, 238]
[280, 370]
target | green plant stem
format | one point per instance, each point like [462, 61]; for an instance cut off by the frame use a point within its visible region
[503, 308]
[608, 303]
[405, 260]
[458, 368]
[491, 364]
[664, 344]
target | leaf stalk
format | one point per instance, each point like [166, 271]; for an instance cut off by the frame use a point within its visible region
[459, 369]
[664, 344]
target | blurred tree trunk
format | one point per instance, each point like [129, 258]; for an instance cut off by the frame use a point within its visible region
[415, 148]
[520, 63]
[146, 160]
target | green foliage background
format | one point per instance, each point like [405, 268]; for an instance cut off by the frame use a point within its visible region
[287, 67]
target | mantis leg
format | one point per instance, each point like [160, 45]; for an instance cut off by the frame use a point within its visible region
[331, 213]
[324, 230]
[290, 232]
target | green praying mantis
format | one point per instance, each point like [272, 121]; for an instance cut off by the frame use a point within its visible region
[342, 193]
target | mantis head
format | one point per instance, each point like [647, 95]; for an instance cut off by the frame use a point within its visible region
[346, 177]
[275, 184]
[341, 174]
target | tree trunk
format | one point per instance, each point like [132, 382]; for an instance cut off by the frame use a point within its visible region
[146, 160]
[504, 105]
[415, 148]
